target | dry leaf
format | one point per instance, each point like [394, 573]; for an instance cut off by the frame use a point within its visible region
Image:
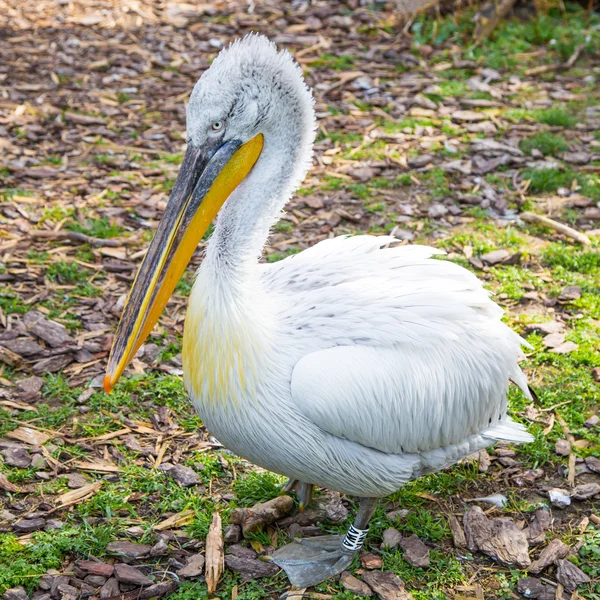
[177, 520]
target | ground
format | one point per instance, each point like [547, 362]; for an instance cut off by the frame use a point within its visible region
[422, 135]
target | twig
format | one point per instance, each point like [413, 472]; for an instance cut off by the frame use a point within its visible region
[557, 66]
[75, 236]
[560, 227]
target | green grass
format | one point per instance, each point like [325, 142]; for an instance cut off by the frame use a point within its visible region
[97, 228]
[549, 144]
[557, 116]
[66, 273]
[257, 487]
[548, 180]
[337, 63]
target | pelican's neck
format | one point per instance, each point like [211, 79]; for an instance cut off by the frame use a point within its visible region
[256, 204]
[231, 317]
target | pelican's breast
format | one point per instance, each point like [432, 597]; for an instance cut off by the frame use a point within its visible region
[223, 350]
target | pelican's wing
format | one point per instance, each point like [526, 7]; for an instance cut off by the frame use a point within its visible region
[410, 353]
[408, 399]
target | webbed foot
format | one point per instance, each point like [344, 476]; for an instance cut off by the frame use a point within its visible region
[310, 561]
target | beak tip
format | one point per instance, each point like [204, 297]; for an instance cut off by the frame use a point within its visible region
[108, 384]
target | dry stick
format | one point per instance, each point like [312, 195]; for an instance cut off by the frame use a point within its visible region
[75, 236]
[489, 17]
[560, 227]
[559, 66]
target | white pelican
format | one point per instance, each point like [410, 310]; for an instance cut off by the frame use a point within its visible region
[353, 365]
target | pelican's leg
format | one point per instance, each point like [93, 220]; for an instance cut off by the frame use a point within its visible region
[310, 561]
[304, 491]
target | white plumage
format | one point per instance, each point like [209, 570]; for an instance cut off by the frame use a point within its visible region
[354, 365]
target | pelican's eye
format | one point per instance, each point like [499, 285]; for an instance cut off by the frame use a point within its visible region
[217, 126]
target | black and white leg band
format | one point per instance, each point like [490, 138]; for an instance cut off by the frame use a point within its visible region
[355, 538]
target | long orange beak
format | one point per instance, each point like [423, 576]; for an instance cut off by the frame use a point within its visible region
[206, 179]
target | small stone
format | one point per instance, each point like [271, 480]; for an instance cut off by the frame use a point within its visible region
[562, 448]
[110, 588]
[571, 292]
[93, 567]
[16, 457]
[30, 389]
[553, 340]
[540, 523]
[593, 464]
[596, 373]
[58, 581]
[436, 211]
[95, 580]
[233, 534]
[184, 476]
[54, 524]
[29, 525]
[387, 586]
[585, 490]
[417, 162]
[592, 422]
[554, 550]
[391, 538]
[565, 348]
[469, 116]
[548, 327]
[76, 480]
[158, 590]
[500, 539]
[354, 585]
[559, 498]
[128, 574]
[67, 592]
[38, 462]
[160, 548]
[368, 560]
[128, 549]
[495, 257]
[396, 515]
[577, 158]
[570, 575]
[415, 551]
[363, 174]
[404, 234]
[335, 510]
[16, 593]
[242, 551]
[313, 202]
[250, 568]
[193, 567]
[530, 587]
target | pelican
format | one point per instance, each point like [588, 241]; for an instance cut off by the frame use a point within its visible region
[354, 365]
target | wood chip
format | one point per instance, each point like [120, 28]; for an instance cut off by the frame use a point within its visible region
[30, 436]
[79, 495]
[214, 554]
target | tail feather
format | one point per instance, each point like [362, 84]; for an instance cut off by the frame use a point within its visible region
[509, 431]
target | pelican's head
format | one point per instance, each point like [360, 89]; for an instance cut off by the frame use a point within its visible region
[235, 119]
